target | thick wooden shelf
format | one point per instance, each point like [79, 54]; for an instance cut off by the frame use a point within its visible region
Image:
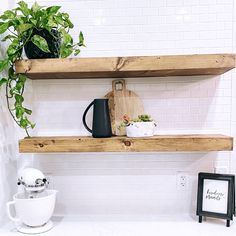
[138, 66]
[159, 143]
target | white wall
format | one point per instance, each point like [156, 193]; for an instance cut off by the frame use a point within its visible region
[8, 146]
[9, 135]
[140, 183]
[233, 116]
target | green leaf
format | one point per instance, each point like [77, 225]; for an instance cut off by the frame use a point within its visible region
[3, 64]
[71, 26]
[19, 98]
[32, 125]
[19, 112]
[39, 15]
[24, 123]
[11, 72]
[59, 20]
[8, 37]
[3, 27]
[33, 21]
[35, 7]
[16, 55]
[24, 8]
[66, 19]
[40, 42]
[11, 91]
[8, 15]
[67, 39]
[66, 51]
[81, 39]
[3, 81]
[53, 9]
[65, 15]
[23, 27]
[22, 78]
[19, 86]
[28, 111]
[45, 21]
[14, 22]
[12, 49]
[50, 23]
[81, 36]
[77, 51]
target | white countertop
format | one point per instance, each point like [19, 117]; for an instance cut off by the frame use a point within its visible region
[131, 226]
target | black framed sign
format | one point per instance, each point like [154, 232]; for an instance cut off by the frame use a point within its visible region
[216, 196]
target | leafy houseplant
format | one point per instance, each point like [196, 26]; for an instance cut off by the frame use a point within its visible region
[43, 32]
[142, 126]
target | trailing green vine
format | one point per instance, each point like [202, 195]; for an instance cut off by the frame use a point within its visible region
[18, 27]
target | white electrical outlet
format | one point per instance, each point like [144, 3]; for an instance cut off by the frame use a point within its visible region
[182, 180]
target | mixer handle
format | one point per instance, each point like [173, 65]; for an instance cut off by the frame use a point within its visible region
[14, 219]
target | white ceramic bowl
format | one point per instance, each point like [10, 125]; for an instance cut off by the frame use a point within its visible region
[32, 212]
[141, 129]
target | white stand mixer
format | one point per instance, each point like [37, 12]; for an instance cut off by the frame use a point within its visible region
[35, 205]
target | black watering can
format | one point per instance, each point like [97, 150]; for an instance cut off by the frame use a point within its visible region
[101, 119]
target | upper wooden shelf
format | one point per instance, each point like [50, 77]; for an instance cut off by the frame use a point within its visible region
[159, 143]
[138, 66]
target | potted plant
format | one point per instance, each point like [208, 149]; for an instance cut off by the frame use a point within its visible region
[43, 32]
[143, 126]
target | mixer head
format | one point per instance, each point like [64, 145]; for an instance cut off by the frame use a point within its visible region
[33, 180]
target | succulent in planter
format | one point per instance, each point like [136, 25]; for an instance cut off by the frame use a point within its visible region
[141, 118]
[43, 32]
[142, 126]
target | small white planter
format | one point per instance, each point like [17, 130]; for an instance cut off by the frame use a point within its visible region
[141, 129]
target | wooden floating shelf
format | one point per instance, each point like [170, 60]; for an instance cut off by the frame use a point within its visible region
[159, 143]
[138, 66]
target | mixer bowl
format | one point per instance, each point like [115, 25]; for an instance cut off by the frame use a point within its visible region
[33, 212]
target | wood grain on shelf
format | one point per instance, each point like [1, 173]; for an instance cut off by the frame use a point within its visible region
[137, 66]
[159, 143]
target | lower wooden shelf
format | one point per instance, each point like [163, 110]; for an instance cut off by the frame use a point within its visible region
[159, 143]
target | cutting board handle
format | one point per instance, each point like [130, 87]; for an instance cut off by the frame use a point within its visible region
[118, 85]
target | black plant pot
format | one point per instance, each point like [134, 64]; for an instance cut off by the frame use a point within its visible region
[54, 43]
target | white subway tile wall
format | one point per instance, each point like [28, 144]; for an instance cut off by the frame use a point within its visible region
[9, 161]
[8, 144]
[9, 134]
[233, 95]
[102, 183]
[7, 147]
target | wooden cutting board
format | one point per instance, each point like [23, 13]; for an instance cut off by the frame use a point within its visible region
[122, 102]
